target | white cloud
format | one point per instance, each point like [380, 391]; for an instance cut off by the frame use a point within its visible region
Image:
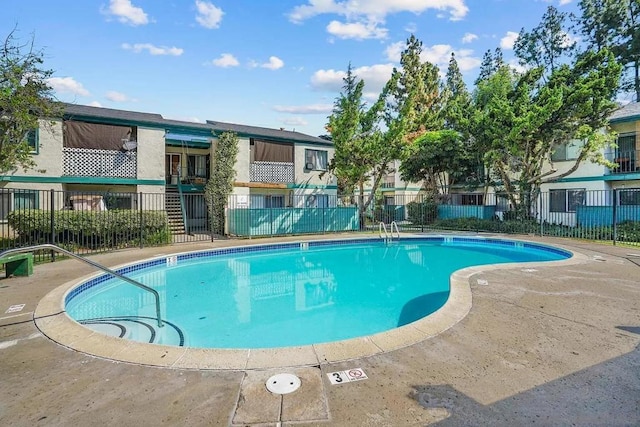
[126, 12]
[570, 40]
[440, 54]
[304, 109]
[95, 104]
[508, 40]
[116, 96]
[153, 50]
[209, 16]
[563, 2]
[294, 121]
[356, 30]
[376, 10]
[411, 28]
[394, 50]
[184, 118]
[374, 76]
[67, 85]
[226, 60]
[274, 63]
[469, 37]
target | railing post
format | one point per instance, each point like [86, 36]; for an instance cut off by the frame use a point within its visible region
[52, 206]
[615, 216]
[141, 219]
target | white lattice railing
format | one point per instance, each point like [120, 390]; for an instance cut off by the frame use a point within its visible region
[99, 163]
[271, 172]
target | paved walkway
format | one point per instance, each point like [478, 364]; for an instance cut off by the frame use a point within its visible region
[550, 345]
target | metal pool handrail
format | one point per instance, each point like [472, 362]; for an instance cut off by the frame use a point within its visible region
[94, 264]
[388, 236]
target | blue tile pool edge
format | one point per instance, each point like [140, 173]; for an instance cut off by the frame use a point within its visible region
[209, 253]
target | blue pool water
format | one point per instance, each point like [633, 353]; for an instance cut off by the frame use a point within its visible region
[288, 295]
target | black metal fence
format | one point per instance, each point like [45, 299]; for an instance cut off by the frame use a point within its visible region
[607, 215]
[96, 222]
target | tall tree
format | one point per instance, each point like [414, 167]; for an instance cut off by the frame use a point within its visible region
[456, 99]
[547, 44]
[220, 184]
[439, 159]
[363, 153]
[25, 98]
[615, 24]
[521, 119]
[414, 97]
[487, 67]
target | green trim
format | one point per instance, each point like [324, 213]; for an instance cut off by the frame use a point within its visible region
[633, 118]
[81, 180]
[313, 186]
[612, 177]
[187, 144]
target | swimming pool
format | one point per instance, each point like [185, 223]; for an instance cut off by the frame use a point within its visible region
[290, 294]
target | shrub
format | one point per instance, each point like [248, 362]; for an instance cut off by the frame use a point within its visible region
[424, 212]
[629, 231]
[115, 228]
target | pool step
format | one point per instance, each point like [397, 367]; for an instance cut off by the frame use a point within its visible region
[137, 328]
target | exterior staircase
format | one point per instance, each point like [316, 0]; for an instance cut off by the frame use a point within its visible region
[174, 210]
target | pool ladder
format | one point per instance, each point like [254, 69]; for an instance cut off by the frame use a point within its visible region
[388, 236]
[58, 249]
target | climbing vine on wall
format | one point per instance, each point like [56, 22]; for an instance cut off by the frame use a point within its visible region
[220, 184]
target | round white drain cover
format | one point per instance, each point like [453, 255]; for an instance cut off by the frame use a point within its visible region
[283, 383]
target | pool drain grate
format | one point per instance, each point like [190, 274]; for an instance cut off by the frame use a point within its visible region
[283, 383]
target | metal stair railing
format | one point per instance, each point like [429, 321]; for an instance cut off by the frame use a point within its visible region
[94, 264]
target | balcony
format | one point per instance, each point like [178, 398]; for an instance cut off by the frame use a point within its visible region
[627, 161]
[274, 172]
[99, 163]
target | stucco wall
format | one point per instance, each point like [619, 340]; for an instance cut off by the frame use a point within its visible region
[242, 160]
[311, 177]
[150, 153]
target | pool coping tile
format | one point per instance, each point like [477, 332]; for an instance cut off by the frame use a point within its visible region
[54, 323]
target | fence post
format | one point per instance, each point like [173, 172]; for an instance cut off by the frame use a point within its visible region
[141, 217]
[52, 206]
[615, 216]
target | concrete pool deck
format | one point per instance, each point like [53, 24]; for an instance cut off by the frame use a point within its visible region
[550, 344]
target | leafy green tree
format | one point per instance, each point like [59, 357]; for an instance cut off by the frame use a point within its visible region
[547, 44]
[413, 101]
[456, 99]
[522, 119]
[615, 24]
[487, 67]
[220, 184]
[25, 98]
[437, 158]
[363, 153]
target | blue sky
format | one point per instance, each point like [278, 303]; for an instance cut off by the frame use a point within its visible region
[256, 62]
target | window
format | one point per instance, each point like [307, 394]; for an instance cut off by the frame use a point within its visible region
[17, 199]
[315, 160]
[565, 200]
[317, 201]
[629, 197]
[32, 140]
[259, 201]
[120, 201]
[197, 166]
[567, 151]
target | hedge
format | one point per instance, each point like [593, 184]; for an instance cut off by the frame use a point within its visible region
[119, 228]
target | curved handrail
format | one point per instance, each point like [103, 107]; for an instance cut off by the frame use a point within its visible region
[394, 224]
[92, 263]
[383, 227]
